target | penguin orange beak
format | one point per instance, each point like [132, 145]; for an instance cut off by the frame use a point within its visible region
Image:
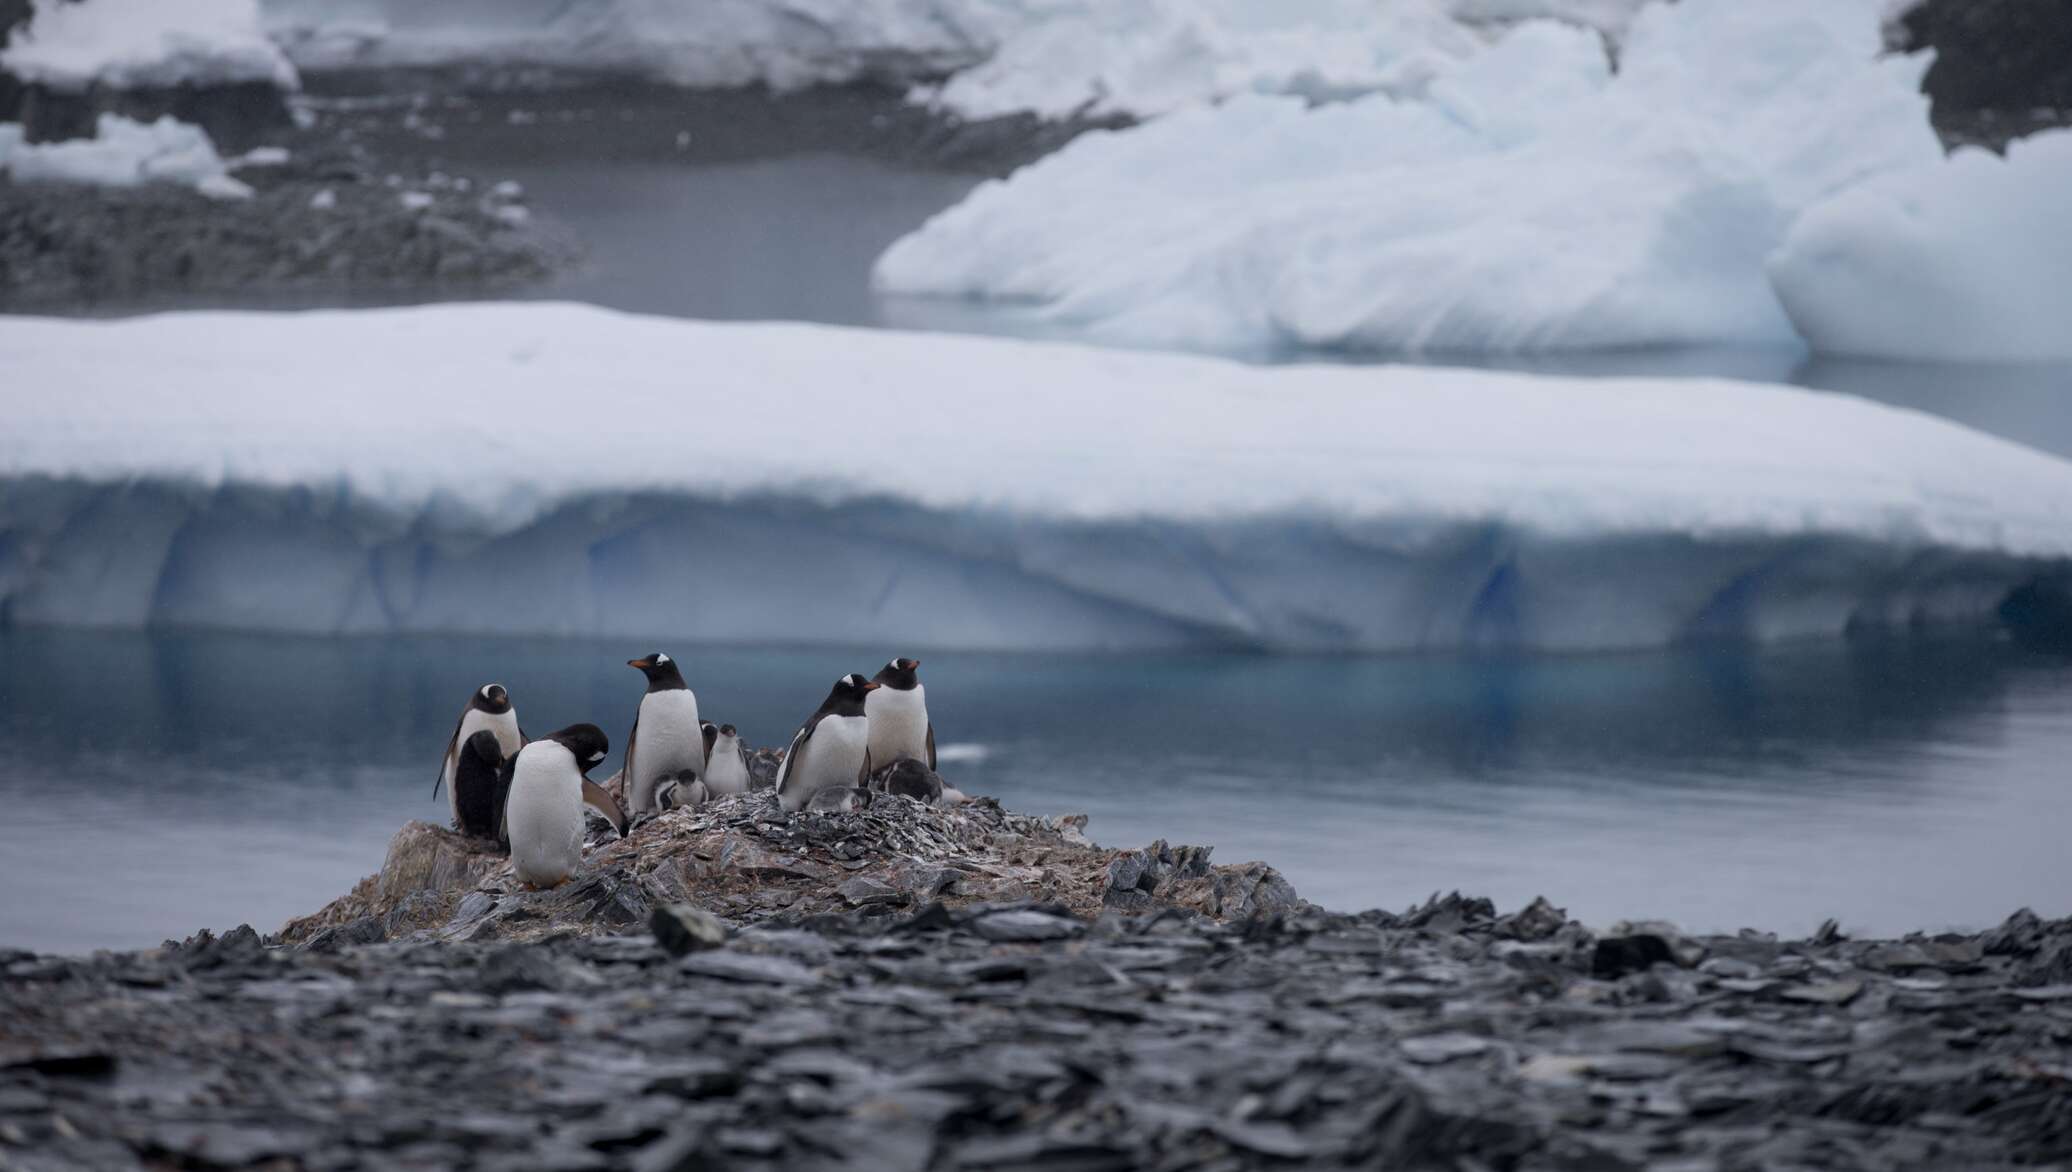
[642, 664]
[872, 687]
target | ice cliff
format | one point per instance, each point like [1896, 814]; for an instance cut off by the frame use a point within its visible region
[564, 469]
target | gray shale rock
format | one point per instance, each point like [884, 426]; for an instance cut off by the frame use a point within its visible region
[682, 928]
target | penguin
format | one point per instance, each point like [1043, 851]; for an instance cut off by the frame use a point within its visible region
[899, 715]
[839, 799]
[481, 784]
[666, 739]
[488, 709]
[831, 748]
[726, 761]
[681, 790]
[544, 814]
[911, 778]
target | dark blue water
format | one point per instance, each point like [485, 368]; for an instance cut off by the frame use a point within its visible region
[159, 783]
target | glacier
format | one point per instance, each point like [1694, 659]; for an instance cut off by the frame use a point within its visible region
[1717, 189]
[146, 44]
[564, 469]
[973, 59]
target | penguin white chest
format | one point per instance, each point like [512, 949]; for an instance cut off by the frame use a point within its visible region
[899, 725]
[666, 740]
[503, 724]
[833, 755]
[725, 771]
[544, 814]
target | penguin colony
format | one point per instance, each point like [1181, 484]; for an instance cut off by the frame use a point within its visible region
[869, 736]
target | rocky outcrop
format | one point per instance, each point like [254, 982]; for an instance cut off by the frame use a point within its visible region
[2003, 68]
[745, 860]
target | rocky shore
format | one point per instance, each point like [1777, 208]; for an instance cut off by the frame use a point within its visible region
[908, 987]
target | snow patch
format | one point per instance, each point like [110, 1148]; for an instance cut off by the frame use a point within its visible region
[1964, 259]
[567, 469]
[145, 44]
[1532, 201]
[123, 153]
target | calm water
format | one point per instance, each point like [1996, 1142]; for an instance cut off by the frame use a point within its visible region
[160, 783]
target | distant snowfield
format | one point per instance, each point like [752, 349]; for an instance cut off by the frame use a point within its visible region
[559, 468]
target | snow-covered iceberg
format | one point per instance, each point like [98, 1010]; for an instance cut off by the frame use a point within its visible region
[559, 468]
[124, 153]
[145, 44]
[1964, 259]
[1532, 200]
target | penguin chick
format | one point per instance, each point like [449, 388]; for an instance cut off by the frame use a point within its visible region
[909, 778]
[838, 799]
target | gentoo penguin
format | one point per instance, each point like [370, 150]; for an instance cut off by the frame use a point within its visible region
[488, 709]
[666, 739]
[681, 790]
[839, 799]
[911, 778]
[899, 715]
[831, 748]
[481, 783]
[726, 761]
[544, 815]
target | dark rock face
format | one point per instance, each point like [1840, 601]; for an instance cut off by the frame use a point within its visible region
[1021, 1035]
[2003, 68]
[237, 116]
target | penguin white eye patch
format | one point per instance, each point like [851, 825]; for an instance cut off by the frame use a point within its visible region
[661, 659]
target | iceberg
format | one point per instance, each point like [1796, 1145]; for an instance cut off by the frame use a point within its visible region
[145, 44]
[124, 153]
[564, 469]
[1962, 259]
[1530, 200]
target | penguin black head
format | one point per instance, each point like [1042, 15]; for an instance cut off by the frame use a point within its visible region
[847, 697]
[661, 671]
[586, 741]
[727, 730]
[491, 698]
[898, 675]
[913, 779]
[711, 732]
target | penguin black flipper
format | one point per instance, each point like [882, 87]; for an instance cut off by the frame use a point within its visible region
[863, 780]
[632, 738]
[798, 744]
[476, 788]
[452, 748]
[931, 746]
[503, 800]
[600, 799]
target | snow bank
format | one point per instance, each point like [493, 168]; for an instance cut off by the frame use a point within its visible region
[558, 468]
[123, 153]
[1964, 259]
[146, 44]
[1532, 200]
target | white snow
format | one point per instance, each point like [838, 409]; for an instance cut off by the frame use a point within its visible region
[1531, 201]
[1964, 259]
[123, 153]
[1149, 57]
[975, 58]
[561, 468]
[139, 44]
